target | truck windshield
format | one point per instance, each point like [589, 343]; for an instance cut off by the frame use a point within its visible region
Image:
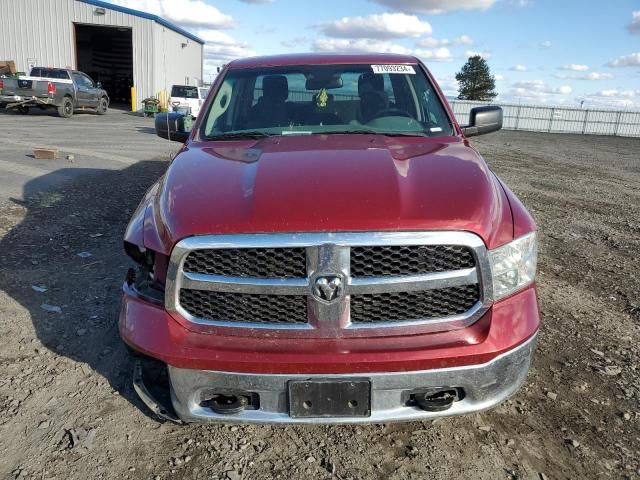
[326, 99]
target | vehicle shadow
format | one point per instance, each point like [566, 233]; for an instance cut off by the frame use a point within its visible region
[150, 130]
[73, 300]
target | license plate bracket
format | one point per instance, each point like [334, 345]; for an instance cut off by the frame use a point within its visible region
[330, 398]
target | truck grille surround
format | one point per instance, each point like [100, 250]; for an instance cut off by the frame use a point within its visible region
[330, 284]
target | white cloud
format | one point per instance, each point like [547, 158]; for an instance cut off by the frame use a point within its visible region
[441, 54]
[357, 46]
[537, 89]
[586, 76]
[616, 93]
[596, 76]
[498, 77]
[204, 20]
[574, 67]
[486, 54]
[631, 60]
[431, 42]
[614, 98]
[360, 45]
[432, 7]
[220, 48]
[448, 84]
[634, 26]
[385, 25]
[546, 44]
[188, 13]
[262, 29]
[519, 68]
[295, 42]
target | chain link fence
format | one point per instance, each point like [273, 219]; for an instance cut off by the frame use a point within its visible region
[542, 118]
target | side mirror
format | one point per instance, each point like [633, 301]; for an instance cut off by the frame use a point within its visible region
[483, 120]
[172, 126]
[99, 85]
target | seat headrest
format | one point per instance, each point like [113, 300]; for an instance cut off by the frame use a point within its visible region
[370, 81]
[275, 87]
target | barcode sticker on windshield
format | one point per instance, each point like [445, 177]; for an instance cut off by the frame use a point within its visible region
[407, 69]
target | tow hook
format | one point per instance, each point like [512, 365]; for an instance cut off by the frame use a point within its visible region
[144, 394]
[435, 399]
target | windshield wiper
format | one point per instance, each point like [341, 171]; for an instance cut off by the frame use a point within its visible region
[374, 132]
[239, 135]
[348, 132]
[404, 134]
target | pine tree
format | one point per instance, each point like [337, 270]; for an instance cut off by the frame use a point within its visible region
[475, 80]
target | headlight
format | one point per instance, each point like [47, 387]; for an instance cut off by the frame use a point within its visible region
[513, 266]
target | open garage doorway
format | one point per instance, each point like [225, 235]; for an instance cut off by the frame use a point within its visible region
[106, 55]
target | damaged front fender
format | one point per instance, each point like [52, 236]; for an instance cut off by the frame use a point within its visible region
[145, 228]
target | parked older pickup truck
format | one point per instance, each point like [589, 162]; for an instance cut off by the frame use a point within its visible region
[64, 90]
[328, 247]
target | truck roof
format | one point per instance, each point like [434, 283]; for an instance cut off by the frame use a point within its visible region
[322, 59]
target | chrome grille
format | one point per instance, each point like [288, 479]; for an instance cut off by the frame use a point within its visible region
[408, 306]
[330, 285]
[247, 308]
[249, 262]
[395, 260]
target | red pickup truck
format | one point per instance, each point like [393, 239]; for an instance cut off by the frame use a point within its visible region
[328, 247]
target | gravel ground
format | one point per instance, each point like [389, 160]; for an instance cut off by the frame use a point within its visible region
[67, 409]
[86, 142]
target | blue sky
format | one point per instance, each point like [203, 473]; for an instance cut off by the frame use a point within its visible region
[541, 51]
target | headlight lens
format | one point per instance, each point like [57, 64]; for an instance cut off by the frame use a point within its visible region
[513, 266]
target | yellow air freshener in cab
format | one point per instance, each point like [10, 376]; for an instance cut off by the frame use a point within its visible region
[323, 98]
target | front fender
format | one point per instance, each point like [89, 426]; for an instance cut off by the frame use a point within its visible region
[143, 229]
[523, 221]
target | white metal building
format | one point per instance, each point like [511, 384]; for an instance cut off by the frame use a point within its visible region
[117, 46]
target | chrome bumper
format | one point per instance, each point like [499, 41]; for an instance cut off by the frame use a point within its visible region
[11, 98]
[14, 100]
[485, 386]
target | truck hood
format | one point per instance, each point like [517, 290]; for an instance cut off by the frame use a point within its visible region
[330, 183]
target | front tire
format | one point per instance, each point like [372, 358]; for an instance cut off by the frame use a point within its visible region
[22, 110]
[65, 110]
[103, 105]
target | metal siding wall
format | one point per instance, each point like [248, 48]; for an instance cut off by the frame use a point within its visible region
[43, 29]
[30, 31]
[542, 118]
[174, 63]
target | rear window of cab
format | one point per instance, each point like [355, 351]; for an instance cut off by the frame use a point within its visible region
[49, 73]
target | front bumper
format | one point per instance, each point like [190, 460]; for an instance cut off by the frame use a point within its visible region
[488, 360]
[484, 386]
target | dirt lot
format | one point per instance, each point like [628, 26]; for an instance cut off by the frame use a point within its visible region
[67, 409]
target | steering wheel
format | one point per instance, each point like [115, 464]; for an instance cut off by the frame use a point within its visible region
[392, 112]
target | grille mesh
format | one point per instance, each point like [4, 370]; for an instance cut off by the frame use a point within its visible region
[392, 260]
[389, 307]
[249, 262]
[242, 307]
